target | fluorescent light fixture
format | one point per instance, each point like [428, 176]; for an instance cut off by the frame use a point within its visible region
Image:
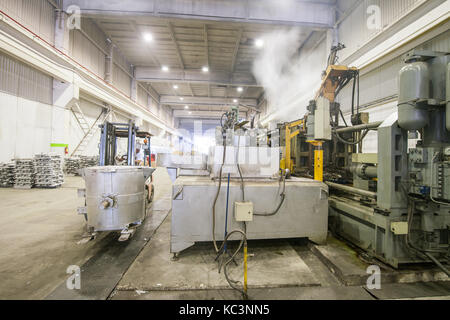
[181, 98]
[190, 112]
[235, 100]
[165, 68]
[259, 43]
[186, 107]
[175, 86]
[240, 89]
[148, 37]
[205, 69]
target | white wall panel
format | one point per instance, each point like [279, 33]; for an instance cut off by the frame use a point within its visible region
[36, 15]
[23, 81]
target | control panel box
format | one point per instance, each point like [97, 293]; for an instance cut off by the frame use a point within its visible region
[243, 211]
[322, 128]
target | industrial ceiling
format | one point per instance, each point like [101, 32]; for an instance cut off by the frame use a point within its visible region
[198, 66]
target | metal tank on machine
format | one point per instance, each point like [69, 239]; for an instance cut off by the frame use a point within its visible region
[116, 198]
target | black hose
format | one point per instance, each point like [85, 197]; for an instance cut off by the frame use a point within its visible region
[216, 197]
[342, 116]
[283, 197]
[349, 142]
[231, 282]
[353, 95]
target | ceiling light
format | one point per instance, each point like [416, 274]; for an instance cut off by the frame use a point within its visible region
[181, 98]
[190, 112]
[240, 89]
[235, 100]
[205, 69]
[175, 87]
[148, 37]
[259, 43]
[165, 68]
[186, 107]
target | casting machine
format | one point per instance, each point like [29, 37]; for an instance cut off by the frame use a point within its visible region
[398, 206]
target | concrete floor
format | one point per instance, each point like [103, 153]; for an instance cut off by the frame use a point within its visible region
[41, 230]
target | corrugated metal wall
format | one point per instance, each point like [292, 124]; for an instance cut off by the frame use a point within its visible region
[37, 15]
[121, 72]
[23, 81]
[142, 96]
[88, 47]
[353, 31]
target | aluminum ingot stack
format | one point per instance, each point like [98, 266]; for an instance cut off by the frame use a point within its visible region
[24, 174]
[7, 175]
[71, 165]
[48, 171]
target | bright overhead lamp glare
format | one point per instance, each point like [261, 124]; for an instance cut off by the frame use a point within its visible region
[240, 89]
[186, 107]
[205, 69]
[175, 87]
[165, 68]
[148, 37]
[181, 98]
[235, 101]
[190, 112]
[259, 43]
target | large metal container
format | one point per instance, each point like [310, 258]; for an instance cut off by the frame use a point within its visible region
[303, 214]
[115, 196]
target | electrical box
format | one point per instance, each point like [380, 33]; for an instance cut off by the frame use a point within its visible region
[322, 127]
[243, 211]
[399, 228]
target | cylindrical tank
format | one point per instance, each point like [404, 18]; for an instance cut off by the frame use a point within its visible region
[115, 196]
[414, 85]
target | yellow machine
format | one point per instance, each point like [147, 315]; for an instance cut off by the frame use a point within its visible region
[291, 130]
[334, 79]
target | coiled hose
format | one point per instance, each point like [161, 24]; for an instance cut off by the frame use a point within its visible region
[231, 282]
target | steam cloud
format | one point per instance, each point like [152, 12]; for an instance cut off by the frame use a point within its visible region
[289, 79]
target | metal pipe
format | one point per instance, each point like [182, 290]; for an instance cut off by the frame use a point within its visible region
[364, 171]
[360, 127]
[357, 191]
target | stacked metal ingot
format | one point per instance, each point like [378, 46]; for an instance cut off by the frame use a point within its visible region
[7, 175]
[71, 165]
[86, 162]
[24, 174]
[48, 170]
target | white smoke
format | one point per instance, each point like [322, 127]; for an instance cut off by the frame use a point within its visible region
[289, 79]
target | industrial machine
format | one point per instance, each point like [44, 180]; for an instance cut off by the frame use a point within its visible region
[259, 200]
[398, 206]
[199, 209]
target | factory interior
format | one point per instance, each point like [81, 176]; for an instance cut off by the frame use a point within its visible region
[225, 150]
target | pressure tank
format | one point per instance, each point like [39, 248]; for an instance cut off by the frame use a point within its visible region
[115, 196]
[414, 86]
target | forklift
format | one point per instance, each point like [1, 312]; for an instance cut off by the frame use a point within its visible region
[110, 133]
